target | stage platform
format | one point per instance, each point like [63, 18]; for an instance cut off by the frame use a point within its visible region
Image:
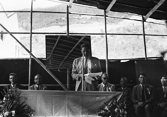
[67, 103]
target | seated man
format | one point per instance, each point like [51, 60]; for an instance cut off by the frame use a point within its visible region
[38, 83]
[105, 86]
[126, 96]
[13, 83]
[142, 97]
[14, 86]
[160, 109]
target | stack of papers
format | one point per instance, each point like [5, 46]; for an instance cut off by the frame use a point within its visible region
[91, 77]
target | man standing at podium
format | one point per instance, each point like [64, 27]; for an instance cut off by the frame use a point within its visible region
[83, 66]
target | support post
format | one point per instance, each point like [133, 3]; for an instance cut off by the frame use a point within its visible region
[82, 74]
[110, 5]
[37, 60]
[68, 79]
[154, 9]
[67, 20]
[105, 21]
[30, 60]
[144, 38]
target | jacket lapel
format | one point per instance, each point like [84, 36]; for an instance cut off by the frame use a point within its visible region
[35, 87]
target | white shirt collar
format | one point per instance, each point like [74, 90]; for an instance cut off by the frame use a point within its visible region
[36, 85]
[104, 84]
[13, 85]
[164, 87]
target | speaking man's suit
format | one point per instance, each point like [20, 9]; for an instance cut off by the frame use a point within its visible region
[92, 66]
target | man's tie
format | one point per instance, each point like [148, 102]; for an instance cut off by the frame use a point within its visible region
[85, 64]
[38, 87]
[105, 88]
[165, 91]
[143, 93]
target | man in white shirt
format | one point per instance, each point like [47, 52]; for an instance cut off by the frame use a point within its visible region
[104, 85]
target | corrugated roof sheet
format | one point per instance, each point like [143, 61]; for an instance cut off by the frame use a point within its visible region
[62, 50]
[141, 7]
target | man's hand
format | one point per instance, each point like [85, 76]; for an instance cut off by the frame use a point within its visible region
[98, 77]
[162, 104]
[141, 103]
[95, 76]
[79, 77]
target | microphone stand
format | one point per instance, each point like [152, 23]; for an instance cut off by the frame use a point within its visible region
[82, 73]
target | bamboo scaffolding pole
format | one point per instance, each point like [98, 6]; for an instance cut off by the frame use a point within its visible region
[37, 60]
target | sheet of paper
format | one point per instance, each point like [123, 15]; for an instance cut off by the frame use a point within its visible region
[94, 74]
[89, 79]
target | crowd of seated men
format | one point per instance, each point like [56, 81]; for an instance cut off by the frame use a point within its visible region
[142, 101]
[14, 85]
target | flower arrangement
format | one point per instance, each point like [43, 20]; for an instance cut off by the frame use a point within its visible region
[148, 90]
[115, 108]
[14, 105]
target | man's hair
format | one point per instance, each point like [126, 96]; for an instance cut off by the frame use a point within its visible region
[105, 75]
[142, 73]
[38, 75]
[163, 53]
[12, 74]
[125, 79]
[85, 45]
[164, 78]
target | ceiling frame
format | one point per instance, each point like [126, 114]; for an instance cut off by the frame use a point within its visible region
[70, 3]
[154, 9]
[110, 5]
[71, 51]
[54, 47]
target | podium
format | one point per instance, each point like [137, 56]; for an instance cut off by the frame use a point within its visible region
[49, 103]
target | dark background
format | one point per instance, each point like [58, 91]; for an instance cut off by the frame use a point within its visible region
[154, 69]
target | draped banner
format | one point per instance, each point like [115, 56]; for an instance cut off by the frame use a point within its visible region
[68, 104]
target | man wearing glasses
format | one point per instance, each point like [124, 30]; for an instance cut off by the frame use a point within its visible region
[104, 85]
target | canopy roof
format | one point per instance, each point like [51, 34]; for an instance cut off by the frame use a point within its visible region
[153, 8]
[62, 50]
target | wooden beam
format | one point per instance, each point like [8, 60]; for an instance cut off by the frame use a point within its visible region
[154, 9]
[106, 40]
[71, 51]
[68, 24]
[68, 79]
[30, 59]
[54, 47]
[110, 5]
[144, 39]
[70, 3]
[36, 59]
